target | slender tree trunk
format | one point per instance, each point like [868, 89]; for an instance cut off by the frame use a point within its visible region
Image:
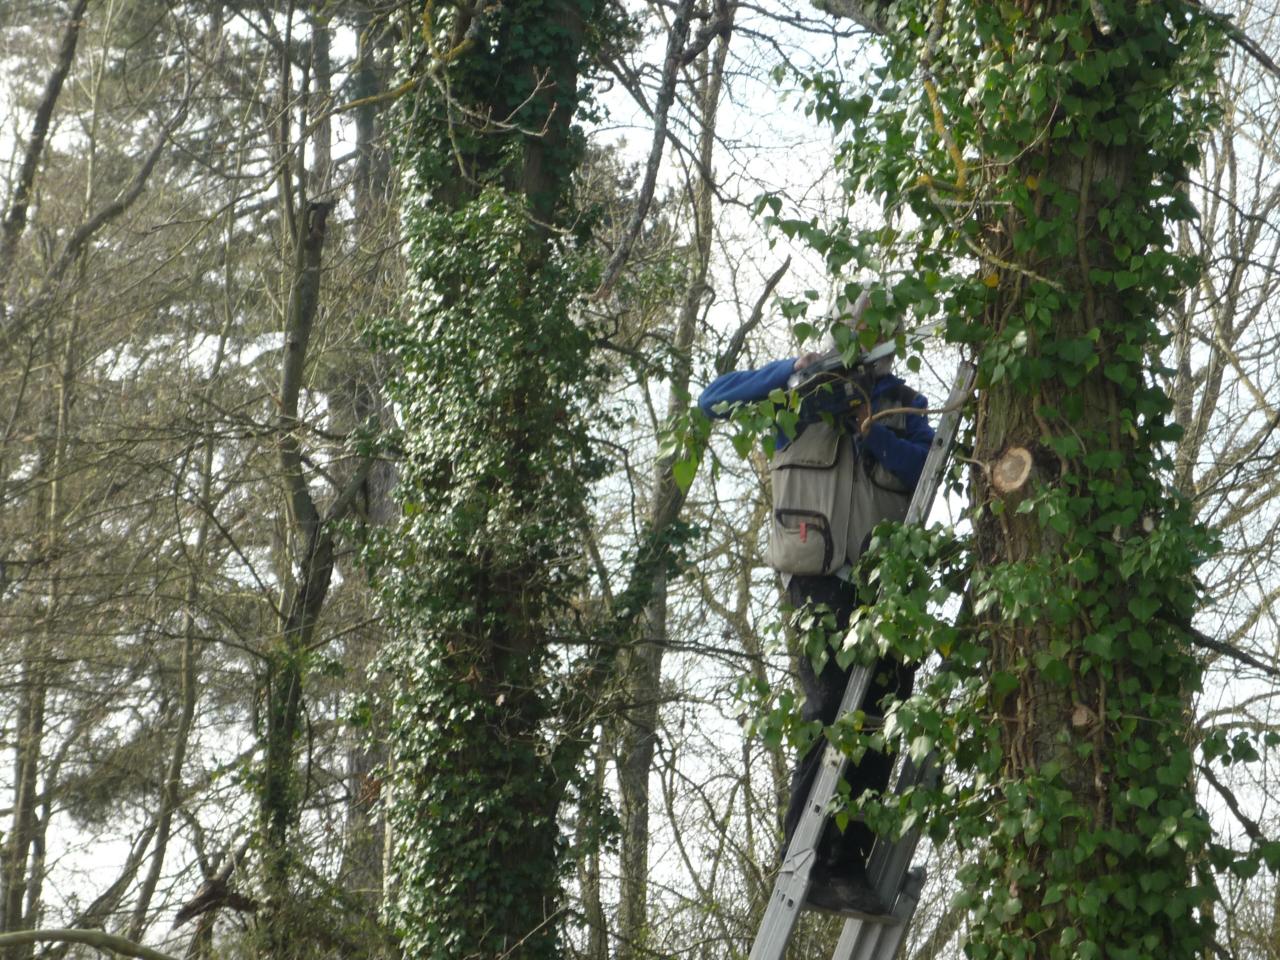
[27, 761]
[23, 851]
[637, 740]
[360, 402]
[642, 664]
[309, 554]
[589, 869]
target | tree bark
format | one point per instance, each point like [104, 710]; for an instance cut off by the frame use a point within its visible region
[1009, 435]
[309, 559]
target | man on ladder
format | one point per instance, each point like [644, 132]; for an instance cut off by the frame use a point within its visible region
[857, 455]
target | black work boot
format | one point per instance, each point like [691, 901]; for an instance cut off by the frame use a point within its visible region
[845, 891]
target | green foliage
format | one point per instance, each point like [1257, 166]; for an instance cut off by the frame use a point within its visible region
[1030, 161]
[482, 574]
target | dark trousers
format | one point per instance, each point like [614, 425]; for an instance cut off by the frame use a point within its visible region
[823, 692]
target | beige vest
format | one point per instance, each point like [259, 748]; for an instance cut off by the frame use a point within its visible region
[825, 503]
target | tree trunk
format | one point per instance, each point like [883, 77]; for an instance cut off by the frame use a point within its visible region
[498, 467]
[309, 556]
[1059, 138]
[360, 403]
[1088, 556]
[642, 664]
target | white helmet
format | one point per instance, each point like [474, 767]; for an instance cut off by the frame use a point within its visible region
[840, 312]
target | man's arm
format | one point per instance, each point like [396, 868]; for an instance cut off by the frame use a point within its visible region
[745, 386]
[902, 456]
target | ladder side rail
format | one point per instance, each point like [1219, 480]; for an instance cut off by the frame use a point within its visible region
[809, 828]
[889, 861]
[905, 911]
[792, 883]
[857, 937]
[777, 926]
[940, 451]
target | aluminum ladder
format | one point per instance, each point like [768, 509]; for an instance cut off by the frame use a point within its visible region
[888, 867]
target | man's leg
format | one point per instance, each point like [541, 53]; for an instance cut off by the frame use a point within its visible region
[822, 692]
[840, 854]
[872, 772]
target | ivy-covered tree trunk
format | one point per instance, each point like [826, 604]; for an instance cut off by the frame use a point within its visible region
[495, 395]
[1042, 149]
[1084, 558]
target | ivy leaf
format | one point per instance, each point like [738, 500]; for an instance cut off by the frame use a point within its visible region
[1142, 797]
[921, 747]
[1143, 608]
[683, 472]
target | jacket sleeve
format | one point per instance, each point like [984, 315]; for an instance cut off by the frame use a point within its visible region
[903, 456]
[745, 386]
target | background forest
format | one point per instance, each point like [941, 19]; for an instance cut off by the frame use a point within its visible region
[242, 254]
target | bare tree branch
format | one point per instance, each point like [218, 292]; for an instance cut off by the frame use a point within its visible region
[98, 939]
[666, 94]
[15, 221]
[85, 232]
[1250, 825]
[1234, 652]
[729, 358]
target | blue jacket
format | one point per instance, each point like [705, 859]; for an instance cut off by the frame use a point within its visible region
[902, 454]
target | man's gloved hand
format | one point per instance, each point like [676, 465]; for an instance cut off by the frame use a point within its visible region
[805, 359]
[863, 411]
